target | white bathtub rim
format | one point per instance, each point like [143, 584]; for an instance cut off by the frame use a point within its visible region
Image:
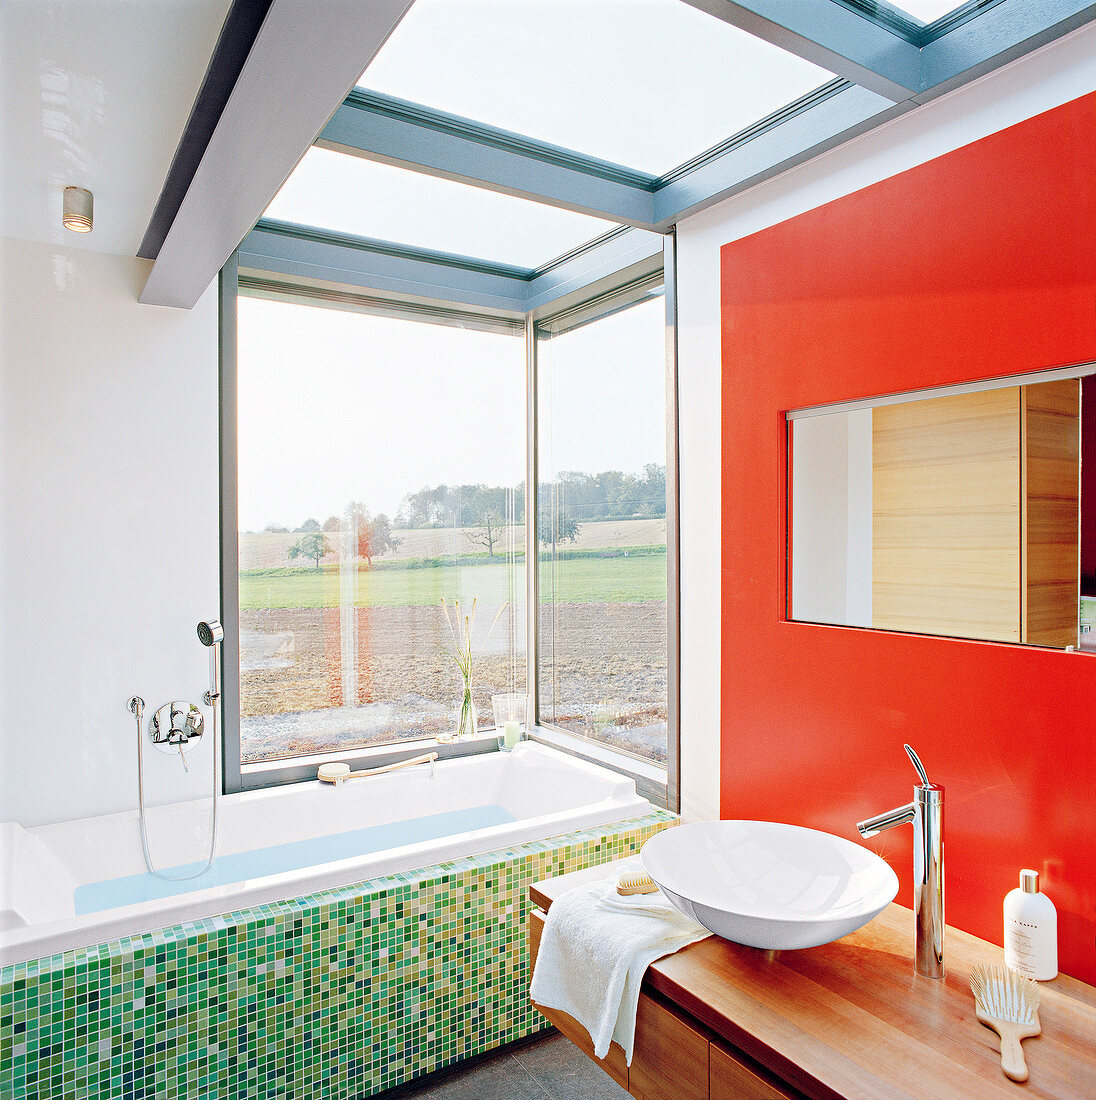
[244, 803]
[620, 802]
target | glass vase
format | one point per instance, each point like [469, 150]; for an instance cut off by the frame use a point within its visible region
[468, 723]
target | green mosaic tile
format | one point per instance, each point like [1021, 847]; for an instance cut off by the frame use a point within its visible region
[337, 995]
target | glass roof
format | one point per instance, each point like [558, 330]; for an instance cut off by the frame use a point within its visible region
[349, 195]
[647, 84]
[927, 11]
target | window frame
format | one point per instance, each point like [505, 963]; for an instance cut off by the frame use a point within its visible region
[653, 781]
[661, 786]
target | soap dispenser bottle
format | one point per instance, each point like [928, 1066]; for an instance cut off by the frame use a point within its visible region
[1031, 930]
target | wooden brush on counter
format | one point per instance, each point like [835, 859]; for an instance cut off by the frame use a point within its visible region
[1010, 1005]
[635, 882]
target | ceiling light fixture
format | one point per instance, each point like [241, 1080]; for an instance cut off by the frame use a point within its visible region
[77, 214]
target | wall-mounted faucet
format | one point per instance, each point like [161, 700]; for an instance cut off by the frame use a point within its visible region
[173, 728]
[926, 812]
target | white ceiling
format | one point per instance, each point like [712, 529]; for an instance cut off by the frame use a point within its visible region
[96, 93]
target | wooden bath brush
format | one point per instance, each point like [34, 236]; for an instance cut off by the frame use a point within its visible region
[635, 882]
[1010, 1005]
[337, 772]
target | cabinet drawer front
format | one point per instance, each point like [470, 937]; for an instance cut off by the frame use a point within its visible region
[734, 1080]
[613, 1063]
[670, 1059]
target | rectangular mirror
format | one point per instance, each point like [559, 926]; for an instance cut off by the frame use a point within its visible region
[956, 511]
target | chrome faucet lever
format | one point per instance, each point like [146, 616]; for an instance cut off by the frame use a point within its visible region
[918, 765]
[926, 812]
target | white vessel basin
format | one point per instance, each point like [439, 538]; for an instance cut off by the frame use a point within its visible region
[769, 885]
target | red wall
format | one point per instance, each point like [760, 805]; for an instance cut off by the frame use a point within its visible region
[977, 264]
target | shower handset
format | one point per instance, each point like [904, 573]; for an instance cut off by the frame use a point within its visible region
[211, 634]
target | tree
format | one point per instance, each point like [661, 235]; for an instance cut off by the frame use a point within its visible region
[308, 525]
[376, 538]
[314, 545]
[610, 494]
[566, 526]
[459, 505]
[373, 533]
[276, 529]
[488, 533]
[332, 525]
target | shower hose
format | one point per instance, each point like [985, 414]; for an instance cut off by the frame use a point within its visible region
[212, 699]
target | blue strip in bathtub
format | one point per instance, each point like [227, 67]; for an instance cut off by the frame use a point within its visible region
[237, 866]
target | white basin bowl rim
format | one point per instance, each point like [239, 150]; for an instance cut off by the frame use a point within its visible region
[763, 869]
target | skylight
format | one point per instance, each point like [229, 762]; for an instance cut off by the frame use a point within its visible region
[348, 195]
[647, 84]
[927, 11]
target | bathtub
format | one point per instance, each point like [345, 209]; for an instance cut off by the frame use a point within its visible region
[78, 883]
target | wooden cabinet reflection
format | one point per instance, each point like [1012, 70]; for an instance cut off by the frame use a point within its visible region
[975, 514]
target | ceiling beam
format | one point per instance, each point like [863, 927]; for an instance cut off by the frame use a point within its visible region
[305, 59]
[393, 132]
[829, 35]
[238, 33]
[338, 262]
[298, 252]
[997, 36]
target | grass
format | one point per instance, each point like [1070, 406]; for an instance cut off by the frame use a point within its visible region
[585, 578]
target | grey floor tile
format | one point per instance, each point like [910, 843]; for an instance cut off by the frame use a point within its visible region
[502, 1077]
[566, 1072]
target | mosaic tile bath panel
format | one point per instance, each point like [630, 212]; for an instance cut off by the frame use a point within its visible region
[337, 995]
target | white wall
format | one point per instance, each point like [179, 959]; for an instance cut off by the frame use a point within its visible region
[1054, 75]
[108, 499]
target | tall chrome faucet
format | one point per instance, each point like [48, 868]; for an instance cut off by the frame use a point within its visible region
[926, 811]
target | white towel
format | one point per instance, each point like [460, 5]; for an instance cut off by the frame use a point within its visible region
[595, 949]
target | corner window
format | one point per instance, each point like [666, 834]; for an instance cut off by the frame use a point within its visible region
[381, 468]
[374, 463]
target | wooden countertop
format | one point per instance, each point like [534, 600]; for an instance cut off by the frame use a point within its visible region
[851, 1019]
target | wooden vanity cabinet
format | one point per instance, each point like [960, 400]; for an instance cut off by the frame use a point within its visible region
[730, 1078]
[674, 1057]
[670, 1058]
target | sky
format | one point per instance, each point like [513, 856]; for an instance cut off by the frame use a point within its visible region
[337, 406]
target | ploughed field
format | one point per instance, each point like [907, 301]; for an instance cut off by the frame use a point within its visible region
[316, 676]
[609, 676]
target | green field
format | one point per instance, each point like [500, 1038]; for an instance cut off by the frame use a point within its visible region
[585, 579]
